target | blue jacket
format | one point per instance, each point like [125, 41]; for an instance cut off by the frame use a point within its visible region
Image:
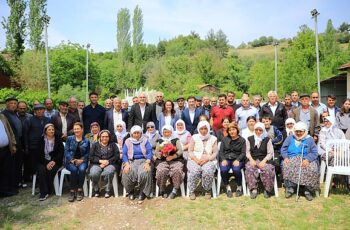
[191, 127]
[161, 121]
[289, 149]
[72, 145]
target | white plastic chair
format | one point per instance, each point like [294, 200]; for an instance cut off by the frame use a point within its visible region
[275, 187]
[55, 183]
[114, 184]
[182, 188]
[213, 189]
[64, 172]
[243, 181]
[341, 153]
[322, 171]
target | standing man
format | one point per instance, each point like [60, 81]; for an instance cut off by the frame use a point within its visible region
[256, 102]
[288, 105]
[316, 104]
[49, 111]
[213, 101]
[206, 106]
[332, 109]
[220, 112]
[125, 105]
[135, 100]
[308, 115]
[191, 115]
[157, 108]
[140, 113]
[73, 109]
[81, 105]
[93, 113]
[295, 99]
[198, 101]
[108, 104]
[7, 164]
[275, 110]
[115, 114]
[245, 111]
[63, 121]
[180, 106]
[231, 102]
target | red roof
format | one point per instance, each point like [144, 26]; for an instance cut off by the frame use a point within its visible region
[345, 66]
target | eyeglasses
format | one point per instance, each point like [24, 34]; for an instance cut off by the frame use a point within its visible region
[150, 127]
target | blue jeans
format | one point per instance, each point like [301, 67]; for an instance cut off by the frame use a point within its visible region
[236, 172]
[77, 175]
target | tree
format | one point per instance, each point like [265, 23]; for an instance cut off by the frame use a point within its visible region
[344, 27]
[137, 35]
[219, 41]
[15, 26]
[123, 32]
[37, 9]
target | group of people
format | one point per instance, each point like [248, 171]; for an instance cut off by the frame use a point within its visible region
[159, 141]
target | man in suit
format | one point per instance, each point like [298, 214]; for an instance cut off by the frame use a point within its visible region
[191, 115]
[157, 108]
[308, 115]
[275, 110]
[63, 121]
[140, 113]
[115, 114]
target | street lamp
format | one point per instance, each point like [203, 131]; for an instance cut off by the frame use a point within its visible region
[46, 20]
[87, 73]
[275, 44]
[314, 14]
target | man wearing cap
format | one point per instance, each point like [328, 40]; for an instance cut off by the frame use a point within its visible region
[63, 121]
[308, 115]
[49, 111]
[180, 106]
[16, 126]
[33, 131]
[198, 102]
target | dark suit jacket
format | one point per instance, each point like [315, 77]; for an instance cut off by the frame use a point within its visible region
[191, 127]
[280, 115]
[57, 122]
[135, 116]
[109, 121]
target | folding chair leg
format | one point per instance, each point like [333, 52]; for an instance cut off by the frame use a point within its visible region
[90, 188]
[61, 184]
[244, 185]
[276, 186]
[322, 171]
[56, 184]
[33, 186]
[115, 185]
[85, 187]
[157, 190]
[182, 188]
[328, 184]
[219, 182]
[213, 188]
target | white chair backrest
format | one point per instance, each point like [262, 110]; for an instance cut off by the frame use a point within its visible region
[341, 152]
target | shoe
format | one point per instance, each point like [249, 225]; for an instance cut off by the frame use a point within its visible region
[229, 194]
[253, 194]
[192, 196]
[289, 194]
[239, 193]
[207, 195]
[172, 195]
[308, 196]
[43, 197]
[107, 195]
[131, 196]
[164, 195]
[80, 195]
[141, 198]
[72, 196]
[266, 194]
[97, 194]
[24, 185]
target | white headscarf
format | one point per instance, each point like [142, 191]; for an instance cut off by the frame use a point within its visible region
[289, 131]
[148, 134]
[331, 128]
[136, 128]
[200, 125]
[177, 131]
[258, 139]
[169, 128]
[300, 126]
[123, 133]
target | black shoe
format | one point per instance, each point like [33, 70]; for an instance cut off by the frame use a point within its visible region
[253, 194]
[107, 195]
[80, 195]
[71, 197]
[229, 193]
[164, 195]
[308, 196]
[131, 196]
[289, 194]
[267, 194]
[172, 195]
[239, 193]
[141, 197]
[43, 197]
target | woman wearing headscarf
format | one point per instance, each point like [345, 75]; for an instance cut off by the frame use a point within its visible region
[137, 156]
[169, 162]
[49, 160]
[104, 157]
[249, 131]
[152, 134]
[120, 133]
[201, 164]
[183, 135]
[259, 152]
[289, 124]
[232, 156]
[94, 131]
[300, 150]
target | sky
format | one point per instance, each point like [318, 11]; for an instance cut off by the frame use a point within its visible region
[94, 21]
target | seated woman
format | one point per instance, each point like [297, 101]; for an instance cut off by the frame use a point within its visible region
[298, 150]
[184, 136]
[168, 115]
[232, 156]
[104, 159]
[93, 135]
[49, 160]
[259, 152]
[76, 154]
[152, 134]
[169, 163]
[223, 132]
[289, 124]
[201, 164]
[249, 131]
[137, 156]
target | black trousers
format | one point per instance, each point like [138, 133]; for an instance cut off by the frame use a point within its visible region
[46, 177]
[8, 181]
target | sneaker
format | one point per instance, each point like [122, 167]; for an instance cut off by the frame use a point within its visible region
[229, 193]
[131, 196]
[80, 195]
[308, 196]
[141, 198]
[172, 195]
[72, 196]
[266, 194]
[97, 194]
[239, 193]
[107, 195]
[192, 196]
[253, 194]
[43, 197]
[24, 185]
[207, 195]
